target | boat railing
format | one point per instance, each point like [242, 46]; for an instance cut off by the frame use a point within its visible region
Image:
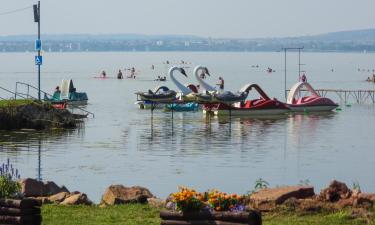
[30, 87]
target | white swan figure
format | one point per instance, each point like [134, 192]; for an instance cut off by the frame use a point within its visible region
[184, 90]
[201, 82]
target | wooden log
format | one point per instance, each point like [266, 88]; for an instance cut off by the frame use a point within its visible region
[19, 212]
[21, 220]
[24, 203]
[198, 222]
[243, 217]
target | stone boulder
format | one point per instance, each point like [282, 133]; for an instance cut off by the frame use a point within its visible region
[266, 199]
[156, 202]
[369, 196]
[52, 188]
[34, 188]
[58, 198]
[119, 194]
[77, 199]
[335, 191]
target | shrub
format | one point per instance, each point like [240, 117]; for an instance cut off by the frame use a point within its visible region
[9, 187]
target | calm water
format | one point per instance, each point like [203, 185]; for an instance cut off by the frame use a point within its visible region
[122, 145]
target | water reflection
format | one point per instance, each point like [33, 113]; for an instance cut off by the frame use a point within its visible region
[14, 143]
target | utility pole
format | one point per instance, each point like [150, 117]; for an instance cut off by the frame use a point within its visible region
[299, 64]
[38, 43]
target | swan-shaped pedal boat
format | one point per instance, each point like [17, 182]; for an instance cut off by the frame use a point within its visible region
[311, 103]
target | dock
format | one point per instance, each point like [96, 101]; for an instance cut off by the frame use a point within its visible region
[346, 96]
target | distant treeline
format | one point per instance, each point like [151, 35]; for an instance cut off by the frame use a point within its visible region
[346, 41]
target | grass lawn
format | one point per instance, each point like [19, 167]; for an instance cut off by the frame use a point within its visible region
[7, 103]
[137, 214]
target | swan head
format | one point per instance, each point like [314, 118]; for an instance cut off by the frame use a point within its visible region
[203, 68]
[182, 70]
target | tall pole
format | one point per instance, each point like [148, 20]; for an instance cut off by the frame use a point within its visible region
[285, 73]
[39, 51]
[299, 61]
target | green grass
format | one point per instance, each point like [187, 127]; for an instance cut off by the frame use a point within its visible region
[18, 102]
[342, 218]
[135, 214]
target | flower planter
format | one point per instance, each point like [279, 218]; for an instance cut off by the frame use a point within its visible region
[210, 218]
[25, 211]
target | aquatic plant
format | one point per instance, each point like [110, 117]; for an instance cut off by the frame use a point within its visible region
[9, 175]
[356, 186]
[260, 184]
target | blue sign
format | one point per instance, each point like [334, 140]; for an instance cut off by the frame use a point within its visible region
[38, 45]
[38, 60]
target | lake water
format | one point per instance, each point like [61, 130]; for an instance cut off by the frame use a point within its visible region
[122, 145]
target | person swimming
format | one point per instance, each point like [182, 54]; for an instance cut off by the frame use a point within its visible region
[119, 75]
[103, 74]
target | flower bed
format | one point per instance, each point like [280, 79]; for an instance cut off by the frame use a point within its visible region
[212, 207]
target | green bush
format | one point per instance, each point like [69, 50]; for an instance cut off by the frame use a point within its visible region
[9, 187]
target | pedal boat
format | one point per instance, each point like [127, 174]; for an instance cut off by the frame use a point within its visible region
[311, 103]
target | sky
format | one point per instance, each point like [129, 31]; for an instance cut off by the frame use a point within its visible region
[206, 18]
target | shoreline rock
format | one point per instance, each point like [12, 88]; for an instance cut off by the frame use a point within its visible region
[35, 115]
[119, 194]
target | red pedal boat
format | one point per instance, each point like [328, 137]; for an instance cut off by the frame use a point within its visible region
[311, 103]
[263, 106]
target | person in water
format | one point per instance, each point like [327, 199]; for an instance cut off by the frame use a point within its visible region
[103, 74]
[221, 83]
[302, 78]
[132, 72]
[119, 75]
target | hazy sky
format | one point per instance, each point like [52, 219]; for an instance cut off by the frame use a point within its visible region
[208, 18]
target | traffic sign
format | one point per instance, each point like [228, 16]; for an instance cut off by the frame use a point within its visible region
[38, 60]
[38, 45]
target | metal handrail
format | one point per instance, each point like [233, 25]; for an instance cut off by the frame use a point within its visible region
[13, 93]
[46, 94]
[28, 89]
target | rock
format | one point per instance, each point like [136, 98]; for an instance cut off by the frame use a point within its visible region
[32, 188]
[278, 195]
[43, 200]
[335, 191]
[310, 205]
[362, 202]
[356, 193]
[343, 203]
[60, 197]
[156, 202]
[51, 188]
[119, 194]
[35, 115]
[369, 196]
[291, 204]
[77, 199]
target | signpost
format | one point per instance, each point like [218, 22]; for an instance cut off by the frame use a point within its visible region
[38, 43]
[38, 61]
